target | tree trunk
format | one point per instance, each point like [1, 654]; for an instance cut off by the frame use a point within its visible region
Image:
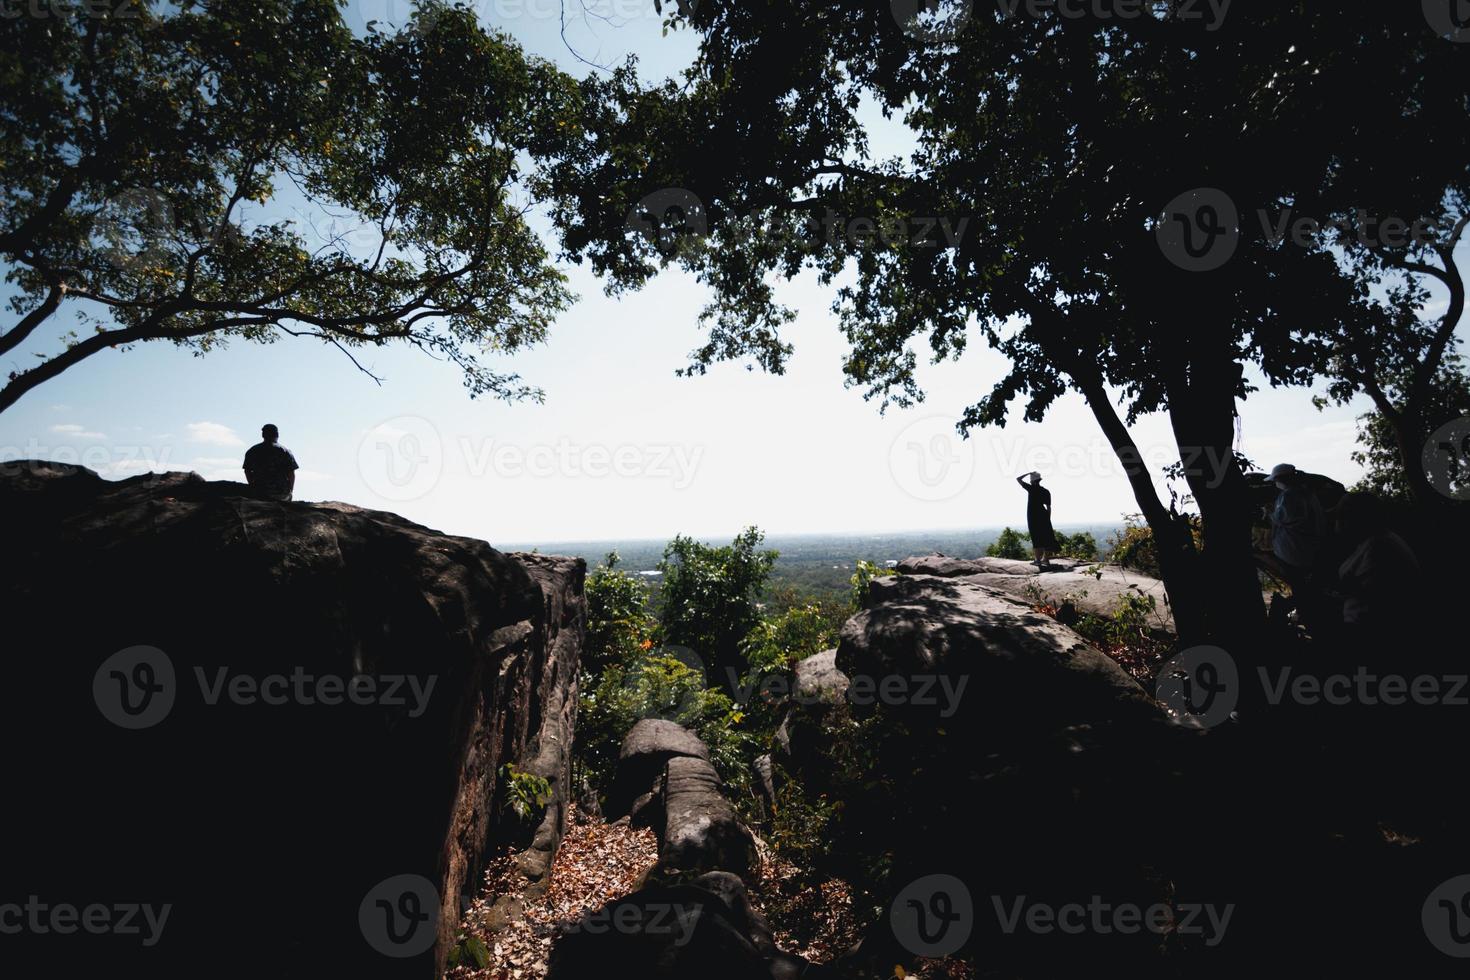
[1178, 561]
[1202, 414]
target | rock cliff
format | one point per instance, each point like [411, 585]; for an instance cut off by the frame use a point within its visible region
[290, 722]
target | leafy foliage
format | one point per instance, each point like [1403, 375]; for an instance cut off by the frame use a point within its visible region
[619, 624]
[863, 577]
[1010, 544]
[1133, 545]
[1447, 397]
[708, 601]
[139, 156]
[528, 792]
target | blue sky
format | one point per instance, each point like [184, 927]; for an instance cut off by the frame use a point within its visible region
[621, 448]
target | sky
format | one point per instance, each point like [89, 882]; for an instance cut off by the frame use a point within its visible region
[621, 449]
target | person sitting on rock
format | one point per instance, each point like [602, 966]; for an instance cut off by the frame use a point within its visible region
[1038, 519]
[269, 467]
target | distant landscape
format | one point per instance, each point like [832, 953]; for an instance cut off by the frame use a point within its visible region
[819, 563]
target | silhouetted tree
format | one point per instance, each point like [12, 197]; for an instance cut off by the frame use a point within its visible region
[138, 151]
[1053, 159]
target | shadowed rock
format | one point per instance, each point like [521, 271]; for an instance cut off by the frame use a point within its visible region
[646, 749]
[701, 831]
[256, 796]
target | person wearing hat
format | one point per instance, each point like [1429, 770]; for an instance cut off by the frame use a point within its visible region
[1038, 519]
[269, 467]
[1298, 528]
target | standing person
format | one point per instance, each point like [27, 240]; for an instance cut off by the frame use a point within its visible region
[1298, 529]
[269, 467]
[1038, 519]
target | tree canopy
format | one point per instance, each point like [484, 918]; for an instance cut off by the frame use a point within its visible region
[140, 153]
[1065, 169]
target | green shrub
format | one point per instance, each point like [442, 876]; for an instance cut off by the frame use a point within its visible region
[658, 685]
[1010, 544]
[863, 577]
[620, 626]
[528, 793]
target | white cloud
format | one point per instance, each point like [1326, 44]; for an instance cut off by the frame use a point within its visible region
[311, 476]
[76, 432]
[213, 434]
[218, 468]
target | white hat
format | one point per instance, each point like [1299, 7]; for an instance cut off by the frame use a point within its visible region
[1281, 470]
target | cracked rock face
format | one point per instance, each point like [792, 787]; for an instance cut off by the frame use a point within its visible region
[345, 689]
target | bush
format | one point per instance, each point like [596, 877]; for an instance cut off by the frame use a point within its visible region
[863, 577]
[1082, 546]
[619, 624]
[658, 685]
[1133, 546]
[1010, 544]
[708, 599]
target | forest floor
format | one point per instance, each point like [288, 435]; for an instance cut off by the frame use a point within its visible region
[599, 862]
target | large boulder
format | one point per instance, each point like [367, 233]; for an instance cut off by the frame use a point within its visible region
[701, 831]
[1011, 754]
[818, 690]
[289, 721]
[646, 750]
[1089, 587]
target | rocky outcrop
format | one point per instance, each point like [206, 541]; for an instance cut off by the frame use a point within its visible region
[1087, 587]
[705, 929]
[692, 918]
[290, 721]
[637, 787]
[818, 690]
[701, 831]
[664, 780]
[1011, 755]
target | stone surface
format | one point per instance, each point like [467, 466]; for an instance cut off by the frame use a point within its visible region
[1010, 753]
[701, 831]
[646, 749]
[1067, 582]
[284, 815]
